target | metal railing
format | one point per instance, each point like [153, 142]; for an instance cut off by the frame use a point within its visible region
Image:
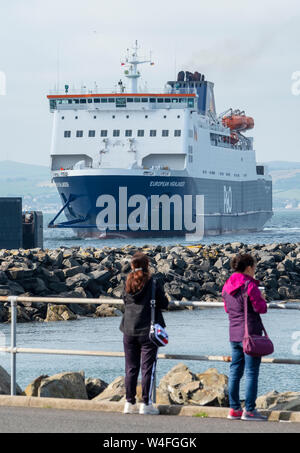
[14, 350]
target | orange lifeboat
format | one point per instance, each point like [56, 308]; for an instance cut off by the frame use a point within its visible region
[236, 122]
[250, 122]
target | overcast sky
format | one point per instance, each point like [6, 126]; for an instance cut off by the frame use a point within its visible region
[249, 49]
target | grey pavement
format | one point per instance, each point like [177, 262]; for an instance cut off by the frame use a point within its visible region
[35, 420]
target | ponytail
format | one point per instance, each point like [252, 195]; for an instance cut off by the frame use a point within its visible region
[140, 274]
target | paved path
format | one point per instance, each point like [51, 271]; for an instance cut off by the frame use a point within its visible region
[29, 420]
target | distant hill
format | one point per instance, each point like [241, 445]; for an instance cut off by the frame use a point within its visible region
[12, 170]
[32, 182]
[283, 165]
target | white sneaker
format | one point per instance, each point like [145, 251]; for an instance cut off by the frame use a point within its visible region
[148, 409]
[130, 408]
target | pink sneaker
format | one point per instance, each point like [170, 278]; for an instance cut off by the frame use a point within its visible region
[235, 415]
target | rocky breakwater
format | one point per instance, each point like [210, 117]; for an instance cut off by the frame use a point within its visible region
[180, 386]
[188, 273]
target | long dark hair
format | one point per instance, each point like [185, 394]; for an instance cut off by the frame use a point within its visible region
[240, 262]
[140, 274]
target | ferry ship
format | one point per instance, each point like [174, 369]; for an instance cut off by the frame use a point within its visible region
[133, 162]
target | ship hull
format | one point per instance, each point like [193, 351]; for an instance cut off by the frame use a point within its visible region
[228, 206]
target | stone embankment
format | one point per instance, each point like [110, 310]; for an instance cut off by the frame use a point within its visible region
[188, 273]
[180, 386]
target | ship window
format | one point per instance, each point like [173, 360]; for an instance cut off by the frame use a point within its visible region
[177, 133]
[95, 117]
[104, 133]
[160, 100]
[260, 170]
[191, 103]
[152, 100]
[121, 102]
[190, 149]
[103, 100]
[152, 133]
[128, 133]
[144, 99]
[79, 133]
[167, 100]
[90, 101]
[52, 104]
[178, 116]
[129, 99]
[76, 101]
[116, 132]
[76, 117]
[62, 117]
[70, 101]
[67, 134]
[137, 99]
[190, 158]
[82, 101]
[174, 100]
[165, 133]
[92, 133]
[140, 133]
[111, 100]
[96, 100]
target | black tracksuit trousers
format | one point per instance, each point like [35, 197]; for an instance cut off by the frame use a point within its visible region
[140, 352]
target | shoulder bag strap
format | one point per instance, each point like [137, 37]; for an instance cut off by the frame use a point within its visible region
[245, 297]
[152, 302]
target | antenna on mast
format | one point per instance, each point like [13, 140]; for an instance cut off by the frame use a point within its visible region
[132, 61]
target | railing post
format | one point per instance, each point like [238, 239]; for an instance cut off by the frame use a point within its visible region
[13, 343]
[154, 388]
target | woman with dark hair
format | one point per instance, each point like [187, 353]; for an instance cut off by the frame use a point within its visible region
[139, 350]
[242, 280]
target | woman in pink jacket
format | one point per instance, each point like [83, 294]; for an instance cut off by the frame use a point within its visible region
[243, 277]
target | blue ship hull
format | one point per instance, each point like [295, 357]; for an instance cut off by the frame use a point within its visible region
[229, 206]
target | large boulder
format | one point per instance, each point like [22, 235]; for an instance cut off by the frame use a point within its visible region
[114, 392]
[63, 385]
[59, 313]
[32, 389]
[104, 311]
[286, 401]
[181, 386]
[94, 387]
[5, 383]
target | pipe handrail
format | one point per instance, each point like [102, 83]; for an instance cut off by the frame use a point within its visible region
[114, 301]
[203, 358]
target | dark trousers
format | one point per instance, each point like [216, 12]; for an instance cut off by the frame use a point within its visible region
[140, 352]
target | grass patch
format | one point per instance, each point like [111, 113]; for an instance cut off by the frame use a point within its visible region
[201, 415]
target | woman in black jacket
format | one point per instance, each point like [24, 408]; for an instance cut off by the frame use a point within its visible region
[139, 350]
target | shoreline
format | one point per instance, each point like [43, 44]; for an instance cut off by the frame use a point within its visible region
[188, 273]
